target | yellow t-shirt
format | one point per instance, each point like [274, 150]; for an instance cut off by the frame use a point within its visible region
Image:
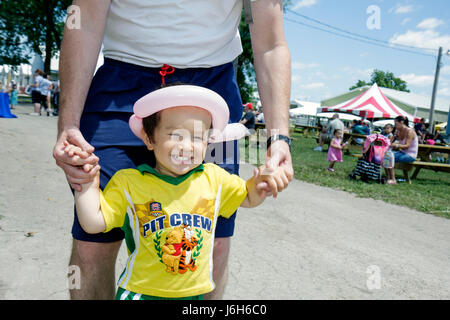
[169, 226]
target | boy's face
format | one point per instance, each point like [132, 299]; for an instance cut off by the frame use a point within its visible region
[180, 139]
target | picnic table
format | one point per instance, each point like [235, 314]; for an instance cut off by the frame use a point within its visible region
[351, 137]
[424, 161]
[259, 126]
[262, 126]
[305, 129]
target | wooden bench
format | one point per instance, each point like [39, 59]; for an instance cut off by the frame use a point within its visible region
[418, 165]
[304, 129]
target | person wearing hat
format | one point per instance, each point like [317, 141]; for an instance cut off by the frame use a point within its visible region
[146, 44]
[248, 120]
[169, 211]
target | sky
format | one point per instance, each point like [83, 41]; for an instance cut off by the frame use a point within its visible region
[325, 65]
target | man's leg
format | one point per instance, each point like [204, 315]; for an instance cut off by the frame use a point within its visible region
[96, 262]
[220, 271]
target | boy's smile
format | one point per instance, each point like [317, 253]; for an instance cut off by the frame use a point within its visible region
[180, 139]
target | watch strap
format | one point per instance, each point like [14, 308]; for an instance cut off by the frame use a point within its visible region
[277, 137]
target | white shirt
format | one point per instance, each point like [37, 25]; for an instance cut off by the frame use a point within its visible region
[180, 33]
[44, 84]
[38, 79]
[335, 125]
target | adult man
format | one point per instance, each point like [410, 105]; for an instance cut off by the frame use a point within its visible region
[197, 40]
[332, 125]
[249, 117]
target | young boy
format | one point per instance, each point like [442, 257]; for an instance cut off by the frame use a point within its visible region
[169, 212]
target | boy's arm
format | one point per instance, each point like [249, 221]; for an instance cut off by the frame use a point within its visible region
[87, 200]
[88, 207]
[253, 198]
[276, 180]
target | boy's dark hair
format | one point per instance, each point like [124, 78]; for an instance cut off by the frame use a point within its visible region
[151, 122]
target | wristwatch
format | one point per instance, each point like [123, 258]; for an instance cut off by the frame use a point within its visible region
[277, 137]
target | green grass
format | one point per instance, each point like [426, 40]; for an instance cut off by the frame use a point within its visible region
[429, 193]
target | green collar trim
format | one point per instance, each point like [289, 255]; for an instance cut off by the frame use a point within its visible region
[169, 179]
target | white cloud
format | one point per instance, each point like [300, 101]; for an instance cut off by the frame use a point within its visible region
[430, 23]
[405, 21]
[427, 38]
[417, 80]
[304, 4]
[402, 8]
[312, 86]
[445, 70]
[364, 74]
[301, 65]
[444, 92]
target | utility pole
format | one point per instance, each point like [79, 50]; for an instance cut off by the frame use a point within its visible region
[447, 132]
[433, 97]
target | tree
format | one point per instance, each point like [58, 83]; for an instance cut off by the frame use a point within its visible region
[245, 73]
[385, 80]
[33, 26]
[360, 84]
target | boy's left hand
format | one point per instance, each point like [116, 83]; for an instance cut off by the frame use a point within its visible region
[270, 181]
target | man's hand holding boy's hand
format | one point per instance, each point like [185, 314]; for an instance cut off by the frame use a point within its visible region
[270, 181]
[76, 153]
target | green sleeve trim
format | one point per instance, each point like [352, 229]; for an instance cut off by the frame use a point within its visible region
[172, 180]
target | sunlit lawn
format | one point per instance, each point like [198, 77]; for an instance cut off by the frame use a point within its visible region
[429, 193]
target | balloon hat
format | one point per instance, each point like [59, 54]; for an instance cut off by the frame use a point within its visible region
[188, 95]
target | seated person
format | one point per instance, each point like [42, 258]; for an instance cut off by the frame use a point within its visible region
[406, 146]
[359, 128]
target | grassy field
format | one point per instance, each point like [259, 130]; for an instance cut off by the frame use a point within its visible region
[429, 193]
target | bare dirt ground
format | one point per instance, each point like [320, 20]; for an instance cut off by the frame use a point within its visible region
[310, 243]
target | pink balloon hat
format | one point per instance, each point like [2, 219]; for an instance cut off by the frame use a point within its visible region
[188, 95]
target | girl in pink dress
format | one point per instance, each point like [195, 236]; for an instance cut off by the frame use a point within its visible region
[335, 149]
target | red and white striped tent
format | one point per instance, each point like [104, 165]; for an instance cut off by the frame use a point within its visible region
[371, 104]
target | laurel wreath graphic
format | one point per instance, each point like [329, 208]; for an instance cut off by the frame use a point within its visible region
[199, 246]
[157, 245]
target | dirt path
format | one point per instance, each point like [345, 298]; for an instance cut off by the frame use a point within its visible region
[310, 243]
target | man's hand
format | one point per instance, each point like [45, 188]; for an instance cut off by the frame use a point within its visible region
[278, 172]
[80, 168]
[278, 164]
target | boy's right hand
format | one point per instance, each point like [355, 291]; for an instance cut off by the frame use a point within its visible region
[77, 153]
[75, 172]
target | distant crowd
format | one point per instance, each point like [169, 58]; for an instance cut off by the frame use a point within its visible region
[44, 94]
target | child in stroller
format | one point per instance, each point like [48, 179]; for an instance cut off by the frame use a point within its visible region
[368, 166]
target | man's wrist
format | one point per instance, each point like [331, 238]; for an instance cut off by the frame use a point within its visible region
[279, 137]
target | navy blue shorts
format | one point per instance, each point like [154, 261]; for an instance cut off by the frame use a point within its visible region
[104, 124]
